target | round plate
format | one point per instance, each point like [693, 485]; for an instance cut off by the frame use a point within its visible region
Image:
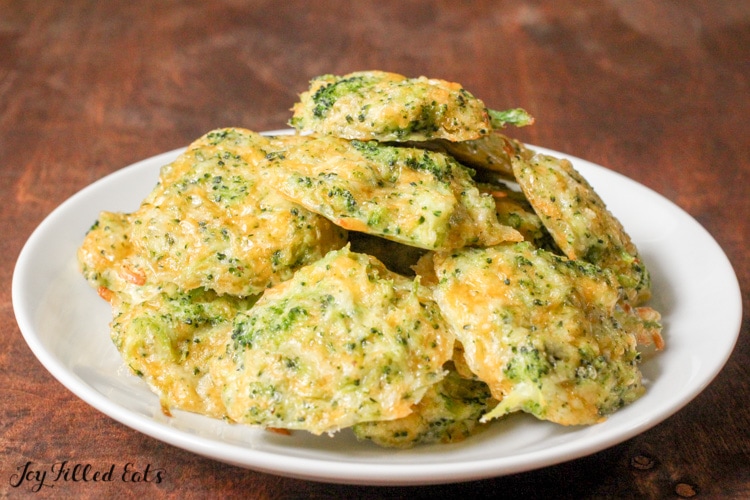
[695, 289]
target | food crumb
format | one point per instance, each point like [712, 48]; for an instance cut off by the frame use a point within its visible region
[685, 490]
[642, 462]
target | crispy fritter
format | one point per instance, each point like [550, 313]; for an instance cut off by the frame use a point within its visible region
[170, 340]
[492, 155]
[376, 105]
[211, 222]
[449, 412]
[539, 330]
[344, 341]
[105, 261]
[412, 196]
[514, 210]
[579, 221]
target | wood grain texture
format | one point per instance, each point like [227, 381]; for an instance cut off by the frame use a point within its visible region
[657, 90]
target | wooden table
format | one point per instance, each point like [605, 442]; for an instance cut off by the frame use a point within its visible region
[656, 90]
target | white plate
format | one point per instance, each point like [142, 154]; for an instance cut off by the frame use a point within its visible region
[65, 324]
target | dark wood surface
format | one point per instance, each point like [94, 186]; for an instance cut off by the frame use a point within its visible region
[657, 90]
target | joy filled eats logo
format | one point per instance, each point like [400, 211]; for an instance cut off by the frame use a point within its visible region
[35, 477]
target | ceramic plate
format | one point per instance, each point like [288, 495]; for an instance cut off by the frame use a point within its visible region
[65, 324]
